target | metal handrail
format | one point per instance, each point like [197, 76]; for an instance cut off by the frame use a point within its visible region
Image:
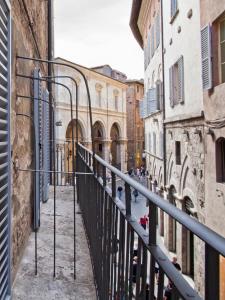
[206, 234]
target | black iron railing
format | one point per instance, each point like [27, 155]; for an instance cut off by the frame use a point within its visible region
[112, 231]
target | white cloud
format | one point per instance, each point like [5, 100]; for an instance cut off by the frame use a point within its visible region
[96, 32]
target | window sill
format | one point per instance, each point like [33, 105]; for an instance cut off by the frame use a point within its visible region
[174, 17]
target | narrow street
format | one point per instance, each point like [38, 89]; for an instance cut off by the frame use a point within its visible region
[43, 286]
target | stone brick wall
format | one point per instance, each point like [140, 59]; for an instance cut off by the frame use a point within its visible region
[23, 43]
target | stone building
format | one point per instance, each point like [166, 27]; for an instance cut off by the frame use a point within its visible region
[135, 126]
[213, 64]
[174, 119]
[26, 28]
[108, 97]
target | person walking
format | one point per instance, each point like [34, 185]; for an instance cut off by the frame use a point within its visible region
[119, 192]
[135, 193]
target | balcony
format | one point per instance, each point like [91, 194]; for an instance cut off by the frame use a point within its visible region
[63, 286]
[112, 232]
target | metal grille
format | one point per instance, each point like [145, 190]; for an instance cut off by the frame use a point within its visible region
[112, 230]
[4, 151]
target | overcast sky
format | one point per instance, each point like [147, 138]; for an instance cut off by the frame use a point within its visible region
[97, 32]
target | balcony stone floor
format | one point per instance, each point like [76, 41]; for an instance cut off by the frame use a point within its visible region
[43, 286]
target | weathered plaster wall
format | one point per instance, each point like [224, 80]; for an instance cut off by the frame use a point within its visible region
[21, 128]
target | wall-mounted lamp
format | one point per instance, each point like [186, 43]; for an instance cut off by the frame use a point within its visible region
[199, 132]
[186, 133]
[170, 132]
[209, 131]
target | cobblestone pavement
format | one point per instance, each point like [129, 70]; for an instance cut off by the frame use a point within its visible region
[43, 286]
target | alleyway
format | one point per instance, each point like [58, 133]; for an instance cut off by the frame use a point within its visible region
[42, 286]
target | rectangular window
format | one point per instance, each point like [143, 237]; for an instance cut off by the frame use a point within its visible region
[176, 80]
[222, 49]
[178, 152]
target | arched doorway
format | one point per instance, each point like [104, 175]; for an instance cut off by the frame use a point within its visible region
[98, 138]
[172, 223]
[115, 146]
[69, 146]
[188, 241]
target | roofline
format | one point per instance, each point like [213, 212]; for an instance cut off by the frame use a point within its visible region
[135, 11]
[134, 81]
[89, 69]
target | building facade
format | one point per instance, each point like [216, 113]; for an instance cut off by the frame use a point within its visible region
[185, 160]
[108, 102]
[213, 65]
[135, 124]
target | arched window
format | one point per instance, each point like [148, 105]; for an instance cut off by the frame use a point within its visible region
[220, 160]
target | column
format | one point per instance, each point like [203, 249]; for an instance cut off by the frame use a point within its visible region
[123, 154]
[107, 150]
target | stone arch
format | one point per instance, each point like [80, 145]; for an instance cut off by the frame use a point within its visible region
[159, 77]
[68, 146]
[115, 145]
[188, 240]
[153, 79]
[98, 137]
[170, 171]
[168, 167]
[183, 174]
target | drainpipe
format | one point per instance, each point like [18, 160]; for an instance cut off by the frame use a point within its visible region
[50, 73]
[163, 87]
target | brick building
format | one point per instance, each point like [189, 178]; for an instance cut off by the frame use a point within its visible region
[135, 125]
[26, 27]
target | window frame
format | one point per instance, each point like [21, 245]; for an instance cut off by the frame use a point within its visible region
[220, 160]
[222, 80]
[178, 155]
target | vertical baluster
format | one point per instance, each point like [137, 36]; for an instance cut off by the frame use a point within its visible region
[131, 264]
[138, 274]
[128, 199]
[211, 273]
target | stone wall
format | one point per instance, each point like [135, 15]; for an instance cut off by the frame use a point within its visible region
[23, 43]
[135, 126]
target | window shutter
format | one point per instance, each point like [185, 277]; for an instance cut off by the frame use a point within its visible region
[5, 151]
[206, 50]
[171, 86]
[181, 80]
[145, 106]
[158, 95]
[158, 30]
[46, 145]
[37, 104]
[151, 101]
[141, 109]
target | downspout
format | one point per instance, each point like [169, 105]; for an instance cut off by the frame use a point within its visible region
[163, 90]
[50, 73]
